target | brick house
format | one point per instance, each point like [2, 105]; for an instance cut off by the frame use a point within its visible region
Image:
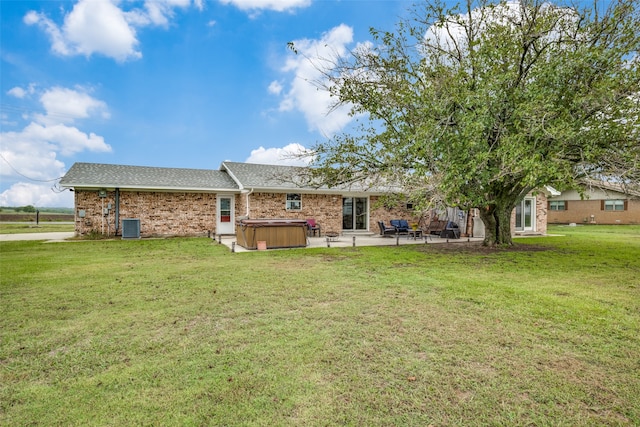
[195, 202]
[600, 203]
[198, 202]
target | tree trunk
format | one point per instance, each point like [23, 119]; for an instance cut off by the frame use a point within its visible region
[497, 225]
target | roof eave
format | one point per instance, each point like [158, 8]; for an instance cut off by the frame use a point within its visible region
[150, 188]
[311, 190]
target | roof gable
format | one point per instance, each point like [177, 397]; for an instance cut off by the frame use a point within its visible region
[260, 177]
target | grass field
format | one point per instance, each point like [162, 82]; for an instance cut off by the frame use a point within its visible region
[43, 217]
[183, 332]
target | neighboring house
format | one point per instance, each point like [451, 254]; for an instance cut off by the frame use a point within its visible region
[193, 202]
[601, 203]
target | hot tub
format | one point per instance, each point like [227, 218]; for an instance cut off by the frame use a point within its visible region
[276, 233]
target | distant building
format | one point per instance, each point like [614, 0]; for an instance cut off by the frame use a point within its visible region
[601, 203]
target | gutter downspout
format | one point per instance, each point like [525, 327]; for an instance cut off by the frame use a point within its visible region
[247, 204]
[117, 210]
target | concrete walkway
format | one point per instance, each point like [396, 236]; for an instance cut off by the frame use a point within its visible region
[56, 236]
[346, 241]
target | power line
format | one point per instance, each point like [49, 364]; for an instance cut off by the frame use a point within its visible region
[12, 109]
[25, 176]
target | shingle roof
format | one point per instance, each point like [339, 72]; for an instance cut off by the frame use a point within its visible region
[96, 175]
[232, 177]
[274, 177]
[281, 178]
[613, 186]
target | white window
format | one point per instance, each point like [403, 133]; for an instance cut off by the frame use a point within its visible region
[294, 202]
[557, 205]
[614, 205]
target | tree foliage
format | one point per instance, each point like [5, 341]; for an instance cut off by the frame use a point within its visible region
[488, 102]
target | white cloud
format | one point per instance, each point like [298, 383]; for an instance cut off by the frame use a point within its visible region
[39, 141]
[66, 105]
[39, 195]
[276, 5]
[32, 153]
[304, 94]
[24, 156]
[22, 93]
[287, 155]
[451, 34]
[18, 92]
[58, 43]
[91, 27]
[102, 27]
[275, 88]
[158, 12]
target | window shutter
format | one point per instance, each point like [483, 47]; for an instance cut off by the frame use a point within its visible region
[602, 204]
[626, 204]
[549, 205]
[566, 205]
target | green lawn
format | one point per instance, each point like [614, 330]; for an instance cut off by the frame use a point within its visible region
[183, 332]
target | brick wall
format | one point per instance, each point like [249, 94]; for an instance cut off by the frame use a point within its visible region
[326, 209]
[378, 212]
[581, 211]
[160, 213]
[541, 215]
[194, 214]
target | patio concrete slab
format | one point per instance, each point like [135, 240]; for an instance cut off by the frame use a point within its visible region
[350, 240]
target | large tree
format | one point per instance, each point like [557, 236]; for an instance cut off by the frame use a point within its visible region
[489, 101]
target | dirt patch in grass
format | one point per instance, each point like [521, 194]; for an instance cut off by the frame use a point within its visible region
[479, 248]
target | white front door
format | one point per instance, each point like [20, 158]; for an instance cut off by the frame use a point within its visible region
[526, 214]
[225, 215]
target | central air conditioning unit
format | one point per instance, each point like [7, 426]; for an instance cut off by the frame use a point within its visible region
[130, 228]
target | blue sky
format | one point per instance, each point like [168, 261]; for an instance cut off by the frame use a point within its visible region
[168, 83]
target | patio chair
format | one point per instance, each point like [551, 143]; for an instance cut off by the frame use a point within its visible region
[436, 227]
[312, 227]
[386, 230]
[401, 225]
[451, 231]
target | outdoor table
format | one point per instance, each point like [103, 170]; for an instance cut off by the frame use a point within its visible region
[331, 236]
[416, 234]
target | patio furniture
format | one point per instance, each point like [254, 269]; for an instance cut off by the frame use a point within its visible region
[332, 236]
[416, 234]
[436, 227]
[451, 231]
[401, 225]
[312, 227]
[386, 230]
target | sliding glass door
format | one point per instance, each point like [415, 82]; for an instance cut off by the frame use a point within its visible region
[355, 213]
